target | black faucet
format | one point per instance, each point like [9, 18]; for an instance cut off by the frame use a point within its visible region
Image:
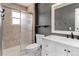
[72, 36]
[67, 36]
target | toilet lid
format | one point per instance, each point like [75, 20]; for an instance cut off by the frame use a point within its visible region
[33, 46]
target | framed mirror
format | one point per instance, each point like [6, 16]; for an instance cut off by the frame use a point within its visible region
[65, 18]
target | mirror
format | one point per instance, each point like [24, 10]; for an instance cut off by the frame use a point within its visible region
[65, 17]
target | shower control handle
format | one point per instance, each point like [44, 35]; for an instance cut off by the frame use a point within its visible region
[3, 10]
[2, 15]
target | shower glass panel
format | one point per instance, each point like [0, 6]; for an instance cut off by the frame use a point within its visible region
[0, 31]
[26, 31]
[11, 33]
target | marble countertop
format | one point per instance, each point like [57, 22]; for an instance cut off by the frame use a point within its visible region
[63, 40]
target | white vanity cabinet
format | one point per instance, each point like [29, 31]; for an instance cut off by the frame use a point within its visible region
[60, 47]
[48, 48]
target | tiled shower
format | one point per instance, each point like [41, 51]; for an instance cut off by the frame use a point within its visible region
[15, 29]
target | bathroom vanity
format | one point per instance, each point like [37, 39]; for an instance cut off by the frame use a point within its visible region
[60, 46]
[65, 20]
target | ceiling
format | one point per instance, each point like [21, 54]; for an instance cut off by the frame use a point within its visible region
[42, 7]
[25, 4]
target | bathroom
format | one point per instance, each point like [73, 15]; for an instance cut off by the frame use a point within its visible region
[39, 29]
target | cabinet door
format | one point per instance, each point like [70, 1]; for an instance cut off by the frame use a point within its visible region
[48, 48]
[73, 51]
[61, 49]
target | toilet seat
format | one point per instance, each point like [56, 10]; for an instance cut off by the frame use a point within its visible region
[33, 47]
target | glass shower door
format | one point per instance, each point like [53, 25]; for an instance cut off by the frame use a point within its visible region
[26, 31]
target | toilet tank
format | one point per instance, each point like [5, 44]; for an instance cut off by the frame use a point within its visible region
[39, 38]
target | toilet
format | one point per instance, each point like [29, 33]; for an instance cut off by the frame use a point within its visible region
[35, 48]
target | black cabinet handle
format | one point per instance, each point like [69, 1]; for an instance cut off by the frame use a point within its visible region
[69, 51]
[64, 49]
